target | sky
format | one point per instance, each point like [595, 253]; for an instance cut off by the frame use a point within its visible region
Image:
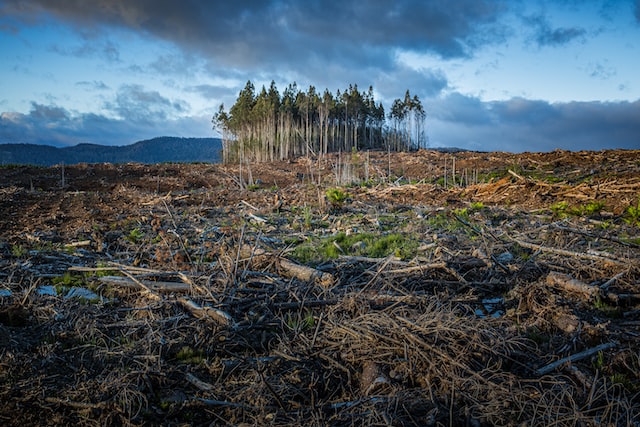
[492, 75]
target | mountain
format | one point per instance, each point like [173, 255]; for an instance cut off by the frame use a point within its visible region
[156, 150]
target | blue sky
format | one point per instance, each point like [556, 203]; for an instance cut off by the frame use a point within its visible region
[492, 75]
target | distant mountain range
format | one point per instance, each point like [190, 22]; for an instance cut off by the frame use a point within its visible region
[156, 150]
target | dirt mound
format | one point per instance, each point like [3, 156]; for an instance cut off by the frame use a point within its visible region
[424, 288]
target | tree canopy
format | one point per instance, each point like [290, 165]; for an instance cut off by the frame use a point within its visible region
[268, 126]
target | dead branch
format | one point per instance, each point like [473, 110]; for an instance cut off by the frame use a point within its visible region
[521, 178]
[164, 287]
[73, 404]
[572, 254]
[151, 293]
[205, 312]
[204, 386]
[574, 358]
[421, 267]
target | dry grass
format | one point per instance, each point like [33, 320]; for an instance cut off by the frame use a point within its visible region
[240, 340]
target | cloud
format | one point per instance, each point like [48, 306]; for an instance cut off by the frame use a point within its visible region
[212, 91]
[134, 103]
[104, 49]
[545, 35]
[47, 114]
[95, 85]
[424, 83]
[601, 71]
[53, 125]
[288, 32]
[637, 10]
[531, 125]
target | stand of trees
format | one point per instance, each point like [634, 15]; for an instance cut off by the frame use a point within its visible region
[270, 126]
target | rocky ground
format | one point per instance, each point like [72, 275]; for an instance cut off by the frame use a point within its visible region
[422, 288]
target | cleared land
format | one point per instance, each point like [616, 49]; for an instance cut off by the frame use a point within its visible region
[504, 290]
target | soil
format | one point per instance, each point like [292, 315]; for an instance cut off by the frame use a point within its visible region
[439, 290]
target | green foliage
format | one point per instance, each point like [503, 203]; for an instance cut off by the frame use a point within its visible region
[308, 217]
[68, 279]
[462, 213]
[357, 244]
[135, 235]
[563, 210]
[624, 381]
[476, 206]
[64, 283]
[606, 309]
[599, 362]
[336, 197]
[298, 323]
[559, 209]
[19, 251]
[190, 356]
[592, 208]
[633, 214]
[446, 222]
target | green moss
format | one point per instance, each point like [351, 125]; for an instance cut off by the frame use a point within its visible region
[563, 210]
[190, 356]
[357, 244]
[559, 209]
[68, 280]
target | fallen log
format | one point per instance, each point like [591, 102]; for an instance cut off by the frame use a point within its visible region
[304, 273]
[569, 284]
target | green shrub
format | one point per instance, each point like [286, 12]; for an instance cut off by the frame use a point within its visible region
[336, 197]
[633, 214]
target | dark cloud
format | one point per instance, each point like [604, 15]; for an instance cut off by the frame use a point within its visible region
[135, 103]
[53, 125]
[559, 36]
[244, 33]
[213, 91]
[48, 114]
[637, 10]
[424, 83]
[528, 125]
[545, 35]
[104, 49]
[441, 27]
[601, 71]
[183, 65]
[457, 108]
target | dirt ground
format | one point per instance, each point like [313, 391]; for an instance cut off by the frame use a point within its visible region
[410, 289]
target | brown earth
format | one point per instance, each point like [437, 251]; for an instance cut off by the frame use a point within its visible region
[254, 298]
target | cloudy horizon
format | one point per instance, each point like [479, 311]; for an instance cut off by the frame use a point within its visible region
[492, 75]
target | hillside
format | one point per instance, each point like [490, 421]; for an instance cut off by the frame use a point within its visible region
[156, 150]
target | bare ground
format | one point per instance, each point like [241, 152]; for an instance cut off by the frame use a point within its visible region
[216, 304]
